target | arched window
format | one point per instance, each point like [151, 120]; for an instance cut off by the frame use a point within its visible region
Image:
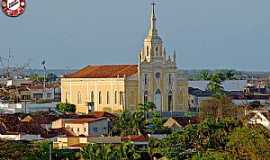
[157, 51]
[115, 97]
[170, 101]
[147, 51]
[158, 100]
[79, 98]
[99, 97]
[145, 79]
[145, 97]
[121, 98]
[170, 79]
[108, 97]
[92, 97]
[157, 75]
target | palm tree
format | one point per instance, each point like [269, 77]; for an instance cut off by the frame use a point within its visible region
[146, 107]
[215, 87]
[204, 75]
[138, 122]
[88, 152]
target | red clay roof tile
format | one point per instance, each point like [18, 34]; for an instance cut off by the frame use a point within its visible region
[104, 71]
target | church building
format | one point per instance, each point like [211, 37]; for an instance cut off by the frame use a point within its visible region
[114, 88]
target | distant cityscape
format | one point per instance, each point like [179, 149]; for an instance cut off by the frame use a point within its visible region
[151, 110]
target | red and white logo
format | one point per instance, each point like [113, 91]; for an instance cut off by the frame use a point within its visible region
[13, 8]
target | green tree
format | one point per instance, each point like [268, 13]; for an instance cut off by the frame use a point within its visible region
[230, 75]
[215, 85]
[51, 77]
[124, 124]
[66, 107]
[36, 77]
[212, 155]
[204, 75]
[146, 108]
[219, 108]
[123, 151]
[249, 143]
[156, 122]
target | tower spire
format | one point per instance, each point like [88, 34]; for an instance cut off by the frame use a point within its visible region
[153, 29]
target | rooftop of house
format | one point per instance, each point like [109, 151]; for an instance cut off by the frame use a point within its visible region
[83, 120]
[90, 115]
[229, 85]
[184, 121]
[172, 123]
[104, 71]
[198, 92]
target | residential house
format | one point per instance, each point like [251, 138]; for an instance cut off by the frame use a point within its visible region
[84, 126]
[259, 117]
[172, 124]
[77, 142]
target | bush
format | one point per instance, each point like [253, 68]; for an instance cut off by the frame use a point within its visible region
[66, 107]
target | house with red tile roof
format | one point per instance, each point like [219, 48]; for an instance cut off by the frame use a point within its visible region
[83, 126]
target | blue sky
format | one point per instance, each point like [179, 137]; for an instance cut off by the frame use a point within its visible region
[210, 34]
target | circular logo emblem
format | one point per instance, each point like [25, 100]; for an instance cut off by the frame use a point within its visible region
[13, 8]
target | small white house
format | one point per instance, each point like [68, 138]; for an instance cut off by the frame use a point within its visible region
[259, 117]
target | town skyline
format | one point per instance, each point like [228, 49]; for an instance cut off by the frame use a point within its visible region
[227, 39]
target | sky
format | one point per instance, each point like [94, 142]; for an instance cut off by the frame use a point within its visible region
[206, 34]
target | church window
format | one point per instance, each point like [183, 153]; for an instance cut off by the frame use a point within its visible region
[79, 98]
[115, 97]
[92, 96]
[145, 97]
[158, 75]
[170, 79]
[108, 97]
[99, 97]
[158, 100]
[157, 51]
[121, 98]
[145, 79]
[170, 101]
[147, 50]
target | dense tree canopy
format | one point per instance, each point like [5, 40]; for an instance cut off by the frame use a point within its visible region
[65, 107]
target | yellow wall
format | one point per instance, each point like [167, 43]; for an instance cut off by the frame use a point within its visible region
[73, 88]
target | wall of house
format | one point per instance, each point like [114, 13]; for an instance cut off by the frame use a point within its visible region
[57, 124]
[18, 137]
[98, 128]
[78, 128]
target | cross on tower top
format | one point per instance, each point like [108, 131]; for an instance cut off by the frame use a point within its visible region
[153, 7]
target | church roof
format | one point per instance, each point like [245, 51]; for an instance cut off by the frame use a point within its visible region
[104, 71]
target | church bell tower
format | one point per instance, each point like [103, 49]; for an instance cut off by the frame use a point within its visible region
[157, 74]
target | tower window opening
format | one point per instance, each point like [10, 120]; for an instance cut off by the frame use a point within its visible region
[145, 79]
